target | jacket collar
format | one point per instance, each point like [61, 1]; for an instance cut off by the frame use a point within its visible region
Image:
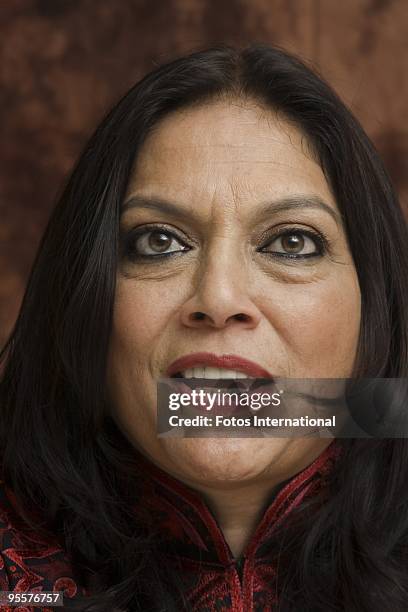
[186, 527]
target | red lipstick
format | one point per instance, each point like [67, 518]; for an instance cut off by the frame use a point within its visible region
[228, 362]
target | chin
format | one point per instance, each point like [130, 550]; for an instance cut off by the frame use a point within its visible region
[223, 460]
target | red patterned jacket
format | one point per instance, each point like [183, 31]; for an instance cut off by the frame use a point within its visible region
[214, 580]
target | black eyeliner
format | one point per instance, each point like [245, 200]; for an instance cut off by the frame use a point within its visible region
[321, 243]
[128, 238]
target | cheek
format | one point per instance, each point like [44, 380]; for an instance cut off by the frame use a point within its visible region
[320, 328]
[141, 314]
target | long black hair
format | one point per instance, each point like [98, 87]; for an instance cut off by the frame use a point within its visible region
[60, 450]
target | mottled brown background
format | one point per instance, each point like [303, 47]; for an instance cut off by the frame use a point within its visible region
[64, 62]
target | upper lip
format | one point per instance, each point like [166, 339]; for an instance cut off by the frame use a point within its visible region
[228, 362]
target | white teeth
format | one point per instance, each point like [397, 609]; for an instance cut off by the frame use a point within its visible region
[241, 375]
[198, 372]
[212, 373]
[229, 374]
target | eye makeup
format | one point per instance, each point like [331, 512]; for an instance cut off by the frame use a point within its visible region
[294, 239]
[151, 237]
[153, 243]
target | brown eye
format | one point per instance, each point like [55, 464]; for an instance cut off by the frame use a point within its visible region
[301, 244]
[293, 243]
[154, 242]
[159, 241]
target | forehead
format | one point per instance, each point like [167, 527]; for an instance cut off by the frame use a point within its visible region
[231, 148]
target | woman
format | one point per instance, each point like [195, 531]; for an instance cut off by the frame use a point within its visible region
[229, 214]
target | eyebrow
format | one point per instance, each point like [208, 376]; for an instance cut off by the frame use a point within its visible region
[293, 202]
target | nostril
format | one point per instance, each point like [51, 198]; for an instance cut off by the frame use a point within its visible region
[198, 316]
[241, 317]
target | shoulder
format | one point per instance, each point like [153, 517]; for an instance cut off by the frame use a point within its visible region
[29, 562]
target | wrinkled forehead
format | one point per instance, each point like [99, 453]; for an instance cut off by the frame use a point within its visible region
[227, 152]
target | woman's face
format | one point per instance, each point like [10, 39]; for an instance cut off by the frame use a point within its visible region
[213, 189]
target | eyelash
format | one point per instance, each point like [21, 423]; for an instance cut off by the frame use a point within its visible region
[321, 243]
[128, 244]
[128, 250]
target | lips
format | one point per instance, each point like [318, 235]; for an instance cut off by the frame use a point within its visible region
[223, 362]
[203, 371]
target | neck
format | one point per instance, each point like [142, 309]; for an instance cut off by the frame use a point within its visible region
[239, 507]
[238, 512]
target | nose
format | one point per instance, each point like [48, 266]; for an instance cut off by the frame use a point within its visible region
[221, 299]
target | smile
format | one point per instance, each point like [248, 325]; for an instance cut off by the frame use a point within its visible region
[211, 366]
[212, 373]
